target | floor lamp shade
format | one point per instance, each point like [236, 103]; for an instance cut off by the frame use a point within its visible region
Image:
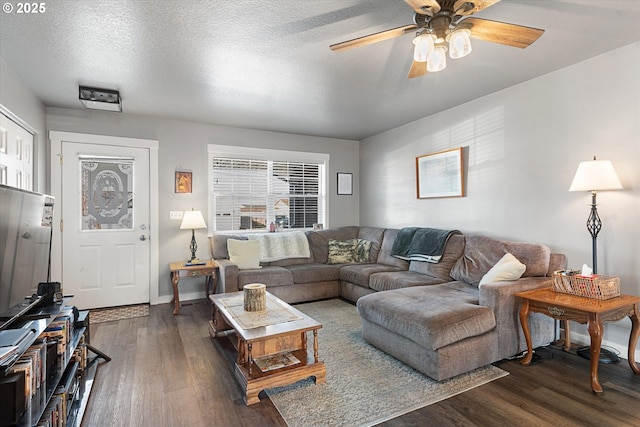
[192, 220]
[595, 175]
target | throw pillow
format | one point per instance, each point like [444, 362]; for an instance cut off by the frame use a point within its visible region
[508, 268]
[244, 253]
[341, 251]
[362, 250]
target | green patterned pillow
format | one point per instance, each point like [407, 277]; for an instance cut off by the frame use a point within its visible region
[341, 251]
[362, 249]
[348, 251]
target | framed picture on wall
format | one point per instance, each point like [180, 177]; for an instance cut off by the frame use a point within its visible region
[183, 182]
[440, 174]
[345, 183]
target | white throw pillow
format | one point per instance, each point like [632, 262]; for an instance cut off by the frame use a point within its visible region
[508, 268]
[245, 253]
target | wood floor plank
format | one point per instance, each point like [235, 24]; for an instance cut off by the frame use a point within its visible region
[166, 371]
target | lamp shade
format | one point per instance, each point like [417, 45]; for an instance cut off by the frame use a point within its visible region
[423, 47]
[459, 44]
[595, 175]
[192, 220]
[437, 59]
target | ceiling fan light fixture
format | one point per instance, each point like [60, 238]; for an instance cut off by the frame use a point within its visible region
[437, 60]
[459, 44]
[423, 47]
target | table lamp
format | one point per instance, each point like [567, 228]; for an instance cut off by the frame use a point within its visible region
[595, 175]
[192, 220]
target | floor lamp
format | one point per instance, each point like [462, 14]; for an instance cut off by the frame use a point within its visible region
[593, 176]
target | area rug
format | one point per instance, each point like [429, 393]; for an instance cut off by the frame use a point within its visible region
[118, 313]
[364, 385]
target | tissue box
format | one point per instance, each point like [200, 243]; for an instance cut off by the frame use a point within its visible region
[597, 286]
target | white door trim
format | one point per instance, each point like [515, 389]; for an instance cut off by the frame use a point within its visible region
[57, 138]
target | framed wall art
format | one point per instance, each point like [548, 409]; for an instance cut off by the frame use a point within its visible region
[345, 183]
[440, 174]
[183, 182]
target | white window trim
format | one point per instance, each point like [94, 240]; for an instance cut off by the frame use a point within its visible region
[215, 150]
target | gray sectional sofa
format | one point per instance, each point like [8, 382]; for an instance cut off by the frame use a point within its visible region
[433, 316]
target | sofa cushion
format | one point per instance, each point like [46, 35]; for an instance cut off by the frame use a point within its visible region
[314, 272]
[359, 274]
[431, 316]
[452, 253]
[482, 252]
[390, 280]
[508, 268]
[245, 253]
[269, 275]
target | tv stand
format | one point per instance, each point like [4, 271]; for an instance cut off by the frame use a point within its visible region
[67, 373]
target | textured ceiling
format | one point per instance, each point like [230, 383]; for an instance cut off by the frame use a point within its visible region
[267, 64]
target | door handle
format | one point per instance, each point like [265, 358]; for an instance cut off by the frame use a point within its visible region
[143, 237]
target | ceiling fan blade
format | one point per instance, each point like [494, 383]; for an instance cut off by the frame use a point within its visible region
[424, 7]
[501, 32]
[417, 69]
[465, 8]
[372, 38]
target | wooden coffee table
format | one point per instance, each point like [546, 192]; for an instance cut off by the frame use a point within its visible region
[285, 333]
[583, 310]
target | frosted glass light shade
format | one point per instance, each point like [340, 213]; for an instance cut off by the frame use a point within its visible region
[595, 175]
[459, 44]
[437, 60]
[423, 46]
[192, 220]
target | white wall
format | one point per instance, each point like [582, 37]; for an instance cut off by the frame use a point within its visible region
[21, 102]
[183, 147]
[524, 145]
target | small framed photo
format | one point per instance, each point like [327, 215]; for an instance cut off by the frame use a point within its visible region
[183, 182]
[440, 174]
[345, 183]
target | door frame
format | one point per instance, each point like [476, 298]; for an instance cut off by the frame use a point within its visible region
[56, 139]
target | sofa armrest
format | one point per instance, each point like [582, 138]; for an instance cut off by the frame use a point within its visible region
[506, 306]
[227, 276]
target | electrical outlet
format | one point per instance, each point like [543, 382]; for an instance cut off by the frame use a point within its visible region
[176, 214]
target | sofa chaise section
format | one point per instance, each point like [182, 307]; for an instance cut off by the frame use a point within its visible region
[446, 329]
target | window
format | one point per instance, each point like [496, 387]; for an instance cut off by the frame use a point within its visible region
[250, 189]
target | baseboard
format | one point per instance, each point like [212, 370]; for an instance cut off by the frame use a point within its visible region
[184, 297]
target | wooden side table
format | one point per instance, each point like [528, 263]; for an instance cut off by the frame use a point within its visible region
[583, 310]
[179, 269]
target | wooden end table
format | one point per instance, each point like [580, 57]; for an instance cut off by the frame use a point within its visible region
[583, 310]
[179, 269]
[262, 341]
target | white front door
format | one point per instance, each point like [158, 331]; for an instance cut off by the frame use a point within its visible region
[107, 251]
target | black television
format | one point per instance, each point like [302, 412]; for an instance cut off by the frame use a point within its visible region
[25, 250]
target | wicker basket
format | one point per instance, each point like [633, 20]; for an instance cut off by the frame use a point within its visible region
[597, 287]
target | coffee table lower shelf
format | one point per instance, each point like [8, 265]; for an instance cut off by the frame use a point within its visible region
[253, 384]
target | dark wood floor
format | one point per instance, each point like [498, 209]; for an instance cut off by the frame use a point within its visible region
[166, 371]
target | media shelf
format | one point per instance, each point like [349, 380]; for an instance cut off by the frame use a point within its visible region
[65, 383]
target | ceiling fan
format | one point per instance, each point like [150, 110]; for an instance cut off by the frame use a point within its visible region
[443, 25]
